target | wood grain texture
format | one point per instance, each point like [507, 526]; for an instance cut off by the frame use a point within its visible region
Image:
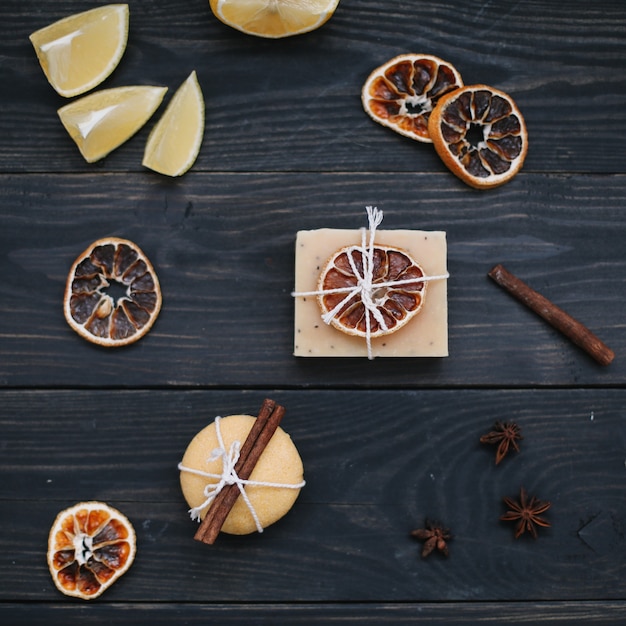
[376, 464]
[223, 243]
[294, 104]
[449, 613]
[384, 443]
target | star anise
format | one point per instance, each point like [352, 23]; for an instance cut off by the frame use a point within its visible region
[434, 535]
[526, 512]
[505, 435]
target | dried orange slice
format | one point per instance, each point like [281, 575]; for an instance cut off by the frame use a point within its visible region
[78, 52]
[274, 18]
[402, 93]
[111, 320]
[90, 546]
[396, 304]
[480, 134]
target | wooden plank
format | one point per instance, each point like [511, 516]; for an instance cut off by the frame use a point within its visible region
[450, 613]
[376, 464]
[385, 443]
[294, 105]
[223, 247]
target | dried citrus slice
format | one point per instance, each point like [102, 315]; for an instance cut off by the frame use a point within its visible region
[402, 93]
[396, 303]
[90, 546]
[480, 134]
[104, 120]
[274, 18]
[130, 309]
[78, 52]
[175, 141]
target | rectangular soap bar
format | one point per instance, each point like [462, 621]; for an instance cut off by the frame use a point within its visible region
[426, 335]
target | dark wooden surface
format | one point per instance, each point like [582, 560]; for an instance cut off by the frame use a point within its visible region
[384, 443]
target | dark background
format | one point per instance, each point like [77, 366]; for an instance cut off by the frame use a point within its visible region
[386, 443]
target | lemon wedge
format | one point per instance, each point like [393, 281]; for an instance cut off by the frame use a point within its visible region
[274, 18]
[102, 121]
[175, 141]
[78, 52]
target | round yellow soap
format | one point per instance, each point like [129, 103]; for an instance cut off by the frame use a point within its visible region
[279, 463]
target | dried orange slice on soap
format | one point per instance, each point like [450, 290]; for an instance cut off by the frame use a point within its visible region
[90, 546]
[402, 93]
[480, 134]
[274, 18]
[78, 52]
[112, 295]
[397, 304]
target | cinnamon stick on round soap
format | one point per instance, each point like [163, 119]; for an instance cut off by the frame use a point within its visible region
[555, 316]
[241, 473]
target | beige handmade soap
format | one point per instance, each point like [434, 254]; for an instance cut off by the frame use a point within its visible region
[271, 489]
[425, 335]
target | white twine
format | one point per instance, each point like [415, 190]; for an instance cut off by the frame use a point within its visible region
[229, 477]
[365, 286]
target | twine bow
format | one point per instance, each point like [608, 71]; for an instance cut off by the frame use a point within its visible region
[228, 477]
[364, 287]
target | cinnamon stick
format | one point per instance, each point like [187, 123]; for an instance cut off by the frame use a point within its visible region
[259, 436]
[555, 316]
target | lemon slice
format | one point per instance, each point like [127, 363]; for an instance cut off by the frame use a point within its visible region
[175, 141]
[274, 18]
[102, 121]
[80, 51]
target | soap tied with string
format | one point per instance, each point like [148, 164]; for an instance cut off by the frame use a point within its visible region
[265, 497]
[371, 292]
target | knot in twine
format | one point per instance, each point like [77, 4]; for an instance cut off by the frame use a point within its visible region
[364, 287]
[228, 477]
